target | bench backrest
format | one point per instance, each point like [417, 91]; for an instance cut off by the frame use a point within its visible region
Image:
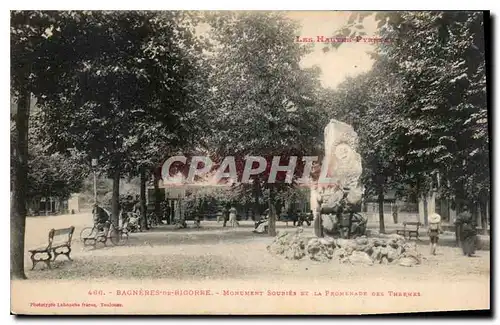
[59, 233]
[412, 223]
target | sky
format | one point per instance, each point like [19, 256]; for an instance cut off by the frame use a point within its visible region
[349, 59]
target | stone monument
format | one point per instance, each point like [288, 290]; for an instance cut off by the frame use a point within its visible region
[343, 173]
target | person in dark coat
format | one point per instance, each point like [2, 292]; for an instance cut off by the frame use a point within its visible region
[344, 217]
[165, 210]
[302, 217]
[465, 230]
[292, 215]
[225, 215]
[101, 217]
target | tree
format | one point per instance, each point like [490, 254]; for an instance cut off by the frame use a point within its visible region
[19, 190]
[53, 174]
[134, 89]
[94, 74]
[440, 125]
[27, 34]
[368, 102]
[264, 99]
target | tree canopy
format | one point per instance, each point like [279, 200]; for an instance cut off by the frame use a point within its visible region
[428, 92]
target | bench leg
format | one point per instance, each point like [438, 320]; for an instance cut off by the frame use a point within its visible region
[35, 260]
[92, 241]
[66, 252]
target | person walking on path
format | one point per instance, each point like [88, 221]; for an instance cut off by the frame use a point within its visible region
[434, 231]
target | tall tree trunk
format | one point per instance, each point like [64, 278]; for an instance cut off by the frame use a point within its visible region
[488, 212]
[475, 214]
[256, 194]
[171, 215]
[20, 188]
[157, 193]
[460, 198]
[143, 197]
[484, 220]
[426, 210]
[318, 221]
[115, 197]
[271, 230]
[381, 210]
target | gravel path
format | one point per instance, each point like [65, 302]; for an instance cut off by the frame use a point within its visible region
[213, 252]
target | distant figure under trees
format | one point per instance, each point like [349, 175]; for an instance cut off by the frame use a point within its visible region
[225, 215]
[233, 222]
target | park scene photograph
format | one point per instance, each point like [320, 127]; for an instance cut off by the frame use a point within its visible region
[249, 162]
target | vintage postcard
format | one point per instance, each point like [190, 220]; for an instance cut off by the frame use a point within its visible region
[249, 162]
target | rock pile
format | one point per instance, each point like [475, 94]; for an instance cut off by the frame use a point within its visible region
[384, 249]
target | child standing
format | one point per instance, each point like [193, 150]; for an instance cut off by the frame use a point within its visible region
[434, 231]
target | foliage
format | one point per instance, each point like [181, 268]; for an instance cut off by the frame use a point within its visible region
[264, 99]
[130, 85]
[438, 129]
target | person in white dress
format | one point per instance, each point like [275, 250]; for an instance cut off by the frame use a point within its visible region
[232, 217]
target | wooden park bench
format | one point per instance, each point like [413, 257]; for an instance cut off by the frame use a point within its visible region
[285, 218]
[59, 244]
[405, 232]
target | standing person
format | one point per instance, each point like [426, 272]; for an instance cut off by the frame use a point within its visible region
[301, 218]
[137, 205]
[434, 231]
[135, 209]
[292, 215]
[225, 215]
[167, 212]
[344, 217]
[232, 217]
[395, 213]
[468, 235]
[459, 221]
